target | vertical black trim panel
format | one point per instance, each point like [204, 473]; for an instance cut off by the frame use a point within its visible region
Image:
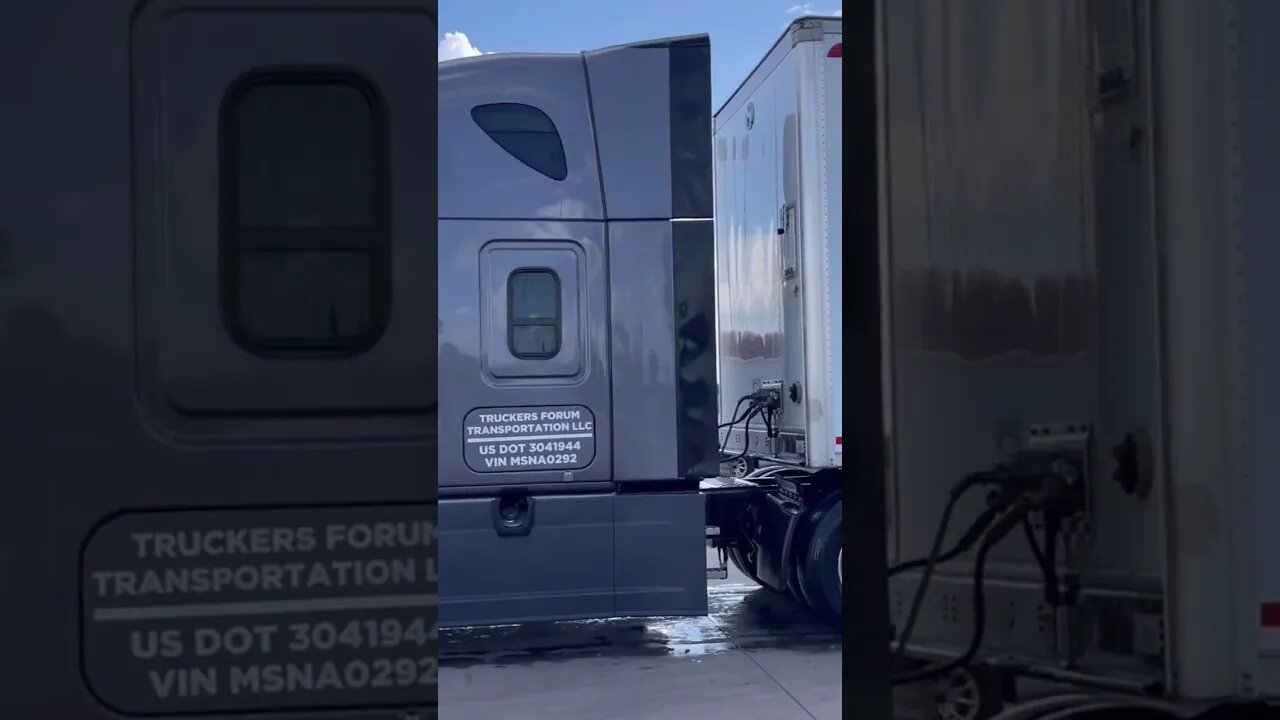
[693, 257]
[691, 181]
[867, 663]
[608, 253]
[693, 284]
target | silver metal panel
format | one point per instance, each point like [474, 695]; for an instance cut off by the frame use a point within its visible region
[643, 328]
[749, 197]
[1197, 195]
[1129, 534]
[631, 99]
[1259, 215]
[821, 414]
[1019, 625]
[464, 343]
[828, 450]
[794, 226]
[1174, 237]
[478, 179]
[991, 250]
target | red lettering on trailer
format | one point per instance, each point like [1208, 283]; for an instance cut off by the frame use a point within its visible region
[1270, 615]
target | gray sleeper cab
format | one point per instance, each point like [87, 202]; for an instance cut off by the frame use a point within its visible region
[576, 333]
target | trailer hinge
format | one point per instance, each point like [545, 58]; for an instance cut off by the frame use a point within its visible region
[806, 31]
[720, 571]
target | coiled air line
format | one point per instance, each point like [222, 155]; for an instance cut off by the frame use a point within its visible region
[763, 402]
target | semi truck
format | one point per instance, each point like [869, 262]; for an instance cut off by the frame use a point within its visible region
[597, 313]
[1077, 212]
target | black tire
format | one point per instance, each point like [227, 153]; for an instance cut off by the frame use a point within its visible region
[818, 565]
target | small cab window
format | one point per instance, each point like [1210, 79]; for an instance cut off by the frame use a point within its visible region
[527, 133]
[533, 303]
[305, 214]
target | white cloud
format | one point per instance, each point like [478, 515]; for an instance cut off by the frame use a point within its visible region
[810, 9]
[456, 45]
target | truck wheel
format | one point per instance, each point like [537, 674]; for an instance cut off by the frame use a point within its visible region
[974, 693]
[742, 467]
[819, 566]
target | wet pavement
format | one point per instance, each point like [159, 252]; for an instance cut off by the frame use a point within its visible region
[755, 656]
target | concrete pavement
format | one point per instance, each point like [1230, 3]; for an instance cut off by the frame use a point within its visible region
[756, 656]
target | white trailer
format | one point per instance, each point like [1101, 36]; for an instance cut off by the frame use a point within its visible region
[1079, 207]
[777, 513]
[778, 154]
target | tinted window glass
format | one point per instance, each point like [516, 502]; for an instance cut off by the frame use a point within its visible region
[535, 342]
[535, 295]
[533, 298]
[306, 257]
[527, 133]
[298, 296]
[306, 156]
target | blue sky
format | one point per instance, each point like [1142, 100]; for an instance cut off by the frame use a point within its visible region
[741, 30]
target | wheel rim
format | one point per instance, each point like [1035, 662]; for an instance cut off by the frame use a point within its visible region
[840, 569]
[959, 697]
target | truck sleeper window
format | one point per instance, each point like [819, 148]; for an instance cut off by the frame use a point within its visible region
[527, 133]
[533, 309]
[305, 214]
